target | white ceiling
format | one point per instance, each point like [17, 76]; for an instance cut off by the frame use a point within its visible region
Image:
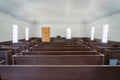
[60, 11]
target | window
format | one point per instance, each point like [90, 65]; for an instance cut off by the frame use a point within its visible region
[68, 33]
[27, 33]
[105, 33]
[92, 33]
[15, 33]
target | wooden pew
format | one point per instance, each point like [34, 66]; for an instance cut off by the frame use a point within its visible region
[58, 59]
[12, 48]
[60, 45]
[59, 72]
[6, 54]
[60, 53]
[56, 45]
[22, 47]
[102, 49]
[65, 46]
[28, 44]
[67, 42]
[61, 49]
[111, 53]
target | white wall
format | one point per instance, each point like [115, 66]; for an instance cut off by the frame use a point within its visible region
[77, 30]
[114, 27]
[6, 25]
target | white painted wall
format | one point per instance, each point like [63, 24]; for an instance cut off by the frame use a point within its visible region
[6, 25]
[77, 30]
[114, 27]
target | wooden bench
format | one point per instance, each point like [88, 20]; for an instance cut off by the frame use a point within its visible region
[39, 45]
[54, 45]
[102, 49]
[59, 72]
[22, 47]
[61, 49]
[6, 54]
[60, 53]
[58, 59]
[67, 42]
[111, 53]
[28, 44]
[12, 48]
[57, 46]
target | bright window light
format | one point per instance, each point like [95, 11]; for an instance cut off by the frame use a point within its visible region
[92, 33]
[27, 33]
[68, 33]
[15, 34]
[105, 33]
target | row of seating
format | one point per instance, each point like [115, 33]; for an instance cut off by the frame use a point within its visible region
[59, 63]
[109, 53]
[58, 59]
[16, 48]
[7, 50]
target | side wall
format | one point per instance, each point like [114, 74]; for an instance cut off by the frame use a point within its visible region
[6, 27]
[114, 27]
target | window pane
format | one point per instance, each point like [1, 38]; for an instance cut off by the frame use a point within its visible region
[105, 33]
[68, 33]
[15, 28]
[27, 33]
[15, 34]
[92, 33]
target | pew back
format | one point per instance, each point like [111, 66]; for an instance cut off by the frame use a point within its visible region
[22, 47]
[60, 72]
[13, 49]
[58, 59]
[61, 53]
[61, 49]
